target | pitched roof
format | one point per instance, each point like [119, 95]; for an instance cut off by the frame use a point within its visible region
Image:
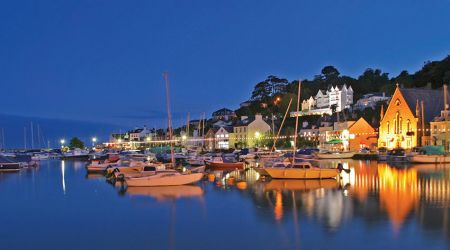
[244, 122]
[433, 101]
[223, 111]
[138, 130]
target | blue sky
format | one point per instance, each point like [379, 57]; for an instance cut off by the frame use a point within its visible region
[102, 61]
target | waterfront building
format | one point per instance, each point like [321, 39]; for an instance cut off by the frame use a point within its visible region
[222, 138]
[247, 132]
[210, 139]
[335, 98]
[440, 129]
[348, 135]
[223, 114]
[406, 120]
[362, 135]
[309, 132]
[370, 101]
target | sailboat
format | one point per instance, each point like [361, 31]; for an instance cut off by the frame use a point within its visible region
[299, 169]
[165, 178]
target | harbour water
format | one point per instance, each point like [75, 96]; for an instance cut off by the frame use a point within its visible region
[375, 206]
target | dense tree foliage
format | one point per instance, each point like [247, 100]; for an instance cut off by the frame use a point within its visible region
[75, 142]
[272, 95]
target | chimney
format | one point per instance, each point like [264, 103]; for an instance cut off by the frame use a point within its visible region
[258, 117]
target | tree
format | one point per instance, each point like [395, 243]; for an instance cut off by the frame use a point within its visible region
[262, 91]
[330, 72]
[277, 85]
[76, 143]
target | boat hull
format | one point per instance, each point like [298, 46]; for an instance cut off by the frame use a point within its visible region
[165, 179]
[304, 174]
[429, 159]
[346, 155]
[225, 166]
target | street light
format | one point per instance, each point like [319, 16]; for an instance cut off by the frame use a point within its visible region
[94, 140]
[62, 141]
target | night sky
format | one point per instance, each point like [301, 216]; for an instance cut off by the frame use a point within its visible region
[102, 61]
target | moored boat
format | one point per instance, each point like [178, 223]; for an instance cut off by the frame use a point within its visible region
[301, 170]
[164, 179]
[218, 163]
[9, 165]
[335, 155]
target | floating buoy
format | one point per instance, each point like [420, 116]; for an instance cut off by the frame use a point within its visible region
[242, 185]
[211, 177]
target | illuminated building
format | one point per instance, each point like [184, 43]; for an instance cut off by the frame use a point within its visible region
[339, 96]
[248, 132]
[401, 125]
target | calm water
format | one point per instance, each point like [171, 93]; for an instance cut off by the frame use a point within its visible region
[58, 206]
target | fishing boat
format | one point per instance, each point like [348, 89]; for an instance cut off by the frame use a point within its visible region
[8, 165]
[222, 163]
[335, 155]
[301, 170]
[164, 179]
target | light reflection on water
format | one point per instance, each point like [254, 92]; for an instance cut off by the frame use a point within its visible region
[374, 206]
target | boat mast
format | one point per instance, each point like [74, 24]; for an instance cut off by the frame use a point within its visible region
[187, 125]
[32, 139]
[445, 118]
[296, 120]
[25, 137]
[281, 126]
[169, 116]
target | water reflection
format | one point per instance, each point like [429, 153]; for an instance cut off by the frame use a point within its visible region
[167, 193]
[371, 190]
[63, 177]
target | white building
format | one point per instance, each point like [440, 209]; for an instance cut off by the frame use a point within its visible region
[223, 137]
[370, 101]
[340, 97]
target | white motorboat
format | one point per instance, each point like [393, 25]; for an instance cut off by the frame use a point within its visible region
[164, 179]
[76, 154]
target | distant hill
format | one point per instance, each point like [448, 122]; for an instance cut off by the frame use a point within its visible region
[50, 131]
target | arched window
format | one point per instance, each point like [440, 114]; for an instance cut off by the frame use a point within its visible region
[397, 123]
[388, 127]
[400, 125]
[408, 125]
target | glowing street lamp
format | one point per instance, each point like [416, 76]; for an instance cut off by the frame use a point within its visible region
[62, 141]
[94, 140]
[183, 138]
